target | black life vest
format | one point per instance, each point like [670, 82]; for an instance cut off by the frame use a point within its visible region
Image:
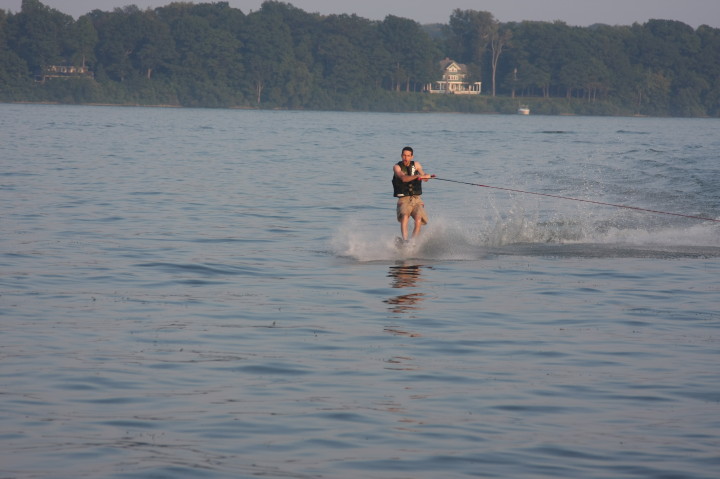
[409, 188]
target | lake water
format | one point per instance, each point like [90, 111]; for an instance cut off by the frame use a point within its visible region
[216, 293]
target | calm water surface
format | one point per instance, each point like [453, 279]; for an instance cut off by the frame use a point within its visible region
[215, 293]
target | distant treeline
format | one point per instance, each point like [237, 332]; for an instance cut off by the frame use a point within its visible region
[212, 55]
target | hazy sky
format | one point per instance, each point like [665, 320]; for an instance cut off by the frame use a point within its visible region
[574, 12]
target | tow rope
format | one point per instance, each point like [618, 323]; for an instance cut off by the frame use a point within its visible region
[581, 200]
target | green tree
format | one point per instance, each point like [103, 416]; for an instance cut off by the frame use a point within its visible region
[343, 51]
[267, 48]
[39, 34]
[156, 49]
[499, 39]
[528, 80]
[667, 45]
[203, 50]
[709, 67]
[608, 45]
[295, 82]
[82, 42]
[652, 91]
[470, 32]
[411, 51]
[534, 55]
[14, 72]
[132, 42]
[668, 51]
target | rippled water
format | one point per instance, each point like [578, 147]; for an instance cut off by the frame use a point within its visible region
[216, 293]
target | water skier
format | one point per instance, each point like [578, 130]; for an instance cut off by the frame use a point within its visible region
[408, 176]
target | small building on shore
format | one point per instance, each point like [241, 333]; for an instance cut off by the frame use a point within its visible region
[63, 71]
[454, 80]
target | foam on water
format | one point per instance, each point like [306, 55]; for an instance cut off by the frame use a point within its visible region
[703, 234]
[519, 234]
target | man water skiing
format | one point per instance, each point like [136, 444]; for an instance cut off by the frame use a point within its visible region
[408, 176]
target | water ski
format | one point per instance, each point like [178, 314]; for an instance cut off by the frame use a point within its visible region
[405, 245]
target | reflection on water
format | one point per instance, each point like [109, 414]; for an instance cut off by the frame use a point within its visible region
[405, 303]
[405, 275]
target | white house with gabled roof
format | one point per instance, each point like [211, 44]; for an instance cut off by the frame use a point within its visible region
[454, 76]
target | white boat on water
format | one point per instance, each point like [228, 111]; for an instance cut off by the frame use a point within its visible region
[523, 110]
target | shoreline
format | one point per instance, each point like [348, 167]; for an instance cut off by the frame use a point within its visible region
[139, 105]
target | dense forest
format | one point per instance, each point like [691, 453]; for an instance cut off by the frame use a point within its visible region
[212, 55]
